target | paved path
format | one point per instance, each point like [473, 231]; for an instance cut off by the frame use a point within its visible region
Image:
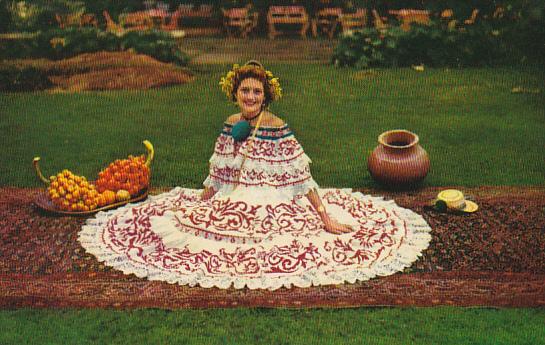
[208, 50]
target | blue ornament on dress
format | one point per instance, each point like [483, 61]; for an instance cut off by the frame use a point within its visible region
[241, 130]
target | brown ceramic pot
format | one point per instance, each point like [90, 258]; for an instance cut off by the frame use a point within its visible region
[398, 161]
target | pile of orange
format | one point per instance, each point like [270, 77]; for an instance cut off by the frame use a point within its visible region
[119, 182]
[71, 192]
[131, 174]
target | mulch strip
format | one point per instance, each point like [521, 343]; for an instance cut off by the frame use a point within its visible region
[494, 257]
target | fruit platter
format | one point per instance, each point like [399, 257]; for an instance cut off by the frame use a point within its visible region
[121, 182]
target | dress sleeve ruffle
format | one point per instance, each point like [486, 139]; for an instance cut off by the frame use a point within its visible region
[275, 160]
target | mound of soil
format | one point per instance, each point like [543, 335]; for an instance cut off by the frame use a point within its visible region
[109, 71]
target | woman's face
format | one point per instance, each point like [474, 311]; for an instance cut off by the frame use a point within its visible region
[250, 96]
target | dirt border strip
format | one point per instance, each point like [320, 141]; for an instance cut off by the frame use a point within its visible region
[113, 290]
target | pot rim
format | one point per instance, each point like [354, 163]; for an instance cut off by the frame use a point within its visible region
[383, 136]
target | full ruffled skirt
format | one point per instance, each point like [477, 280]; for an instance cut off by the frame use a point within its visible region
[256, 238]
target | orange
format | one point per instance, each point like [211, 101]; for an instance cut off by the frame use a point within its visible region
[109, 196]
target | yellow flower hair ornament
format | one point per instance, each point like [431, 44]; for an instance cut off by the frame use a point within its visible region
[227, 82]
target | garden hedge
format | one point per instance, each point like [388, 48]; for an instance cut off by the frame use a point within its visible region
[60, 44]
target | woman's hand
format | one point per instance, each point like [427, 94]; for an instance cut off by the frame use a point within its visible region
[331, 225]
[334, 227]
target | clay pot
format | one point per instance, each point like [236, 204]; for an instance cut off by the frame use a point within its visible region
[398, 161]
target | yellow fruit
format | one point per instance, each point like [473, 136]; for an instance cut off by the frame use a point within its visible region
[122, 195]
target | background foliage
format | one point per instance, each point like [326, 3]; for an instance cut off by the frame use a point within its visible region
[431, 45]
[63, 43]
[516, 36]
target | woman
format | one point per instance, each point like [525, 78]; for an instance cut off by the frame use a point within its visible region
[253, 93]
[261, 220]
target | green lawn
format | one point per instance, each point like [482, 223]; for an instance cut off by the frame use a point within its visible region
[476, 131]
[389, 326]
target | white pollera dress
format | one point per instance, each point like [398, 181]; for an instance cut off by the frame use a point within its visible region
[263, 234]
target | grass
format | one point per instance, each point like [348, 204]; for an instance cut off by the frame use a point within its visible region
[476, 131]
[390, 326]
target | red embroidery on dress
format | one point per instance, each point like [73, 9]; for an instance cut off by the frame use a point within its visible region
[345, 254]
[282, 150]
[289, 218]
[255, 177]
[371, 237]
[292, 257]
[225, 215]
[241, 261]
[275, 185]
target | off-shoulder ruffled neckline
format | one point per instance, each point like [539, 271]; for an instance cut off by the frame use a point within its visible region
[285, 126]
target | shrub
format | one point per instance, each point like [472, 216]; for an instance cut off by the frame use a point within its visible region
[27, 78]
[60, 44]
[367, 48]
[433, 45]
[157, 44]
[5, 17]
[523, 28]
